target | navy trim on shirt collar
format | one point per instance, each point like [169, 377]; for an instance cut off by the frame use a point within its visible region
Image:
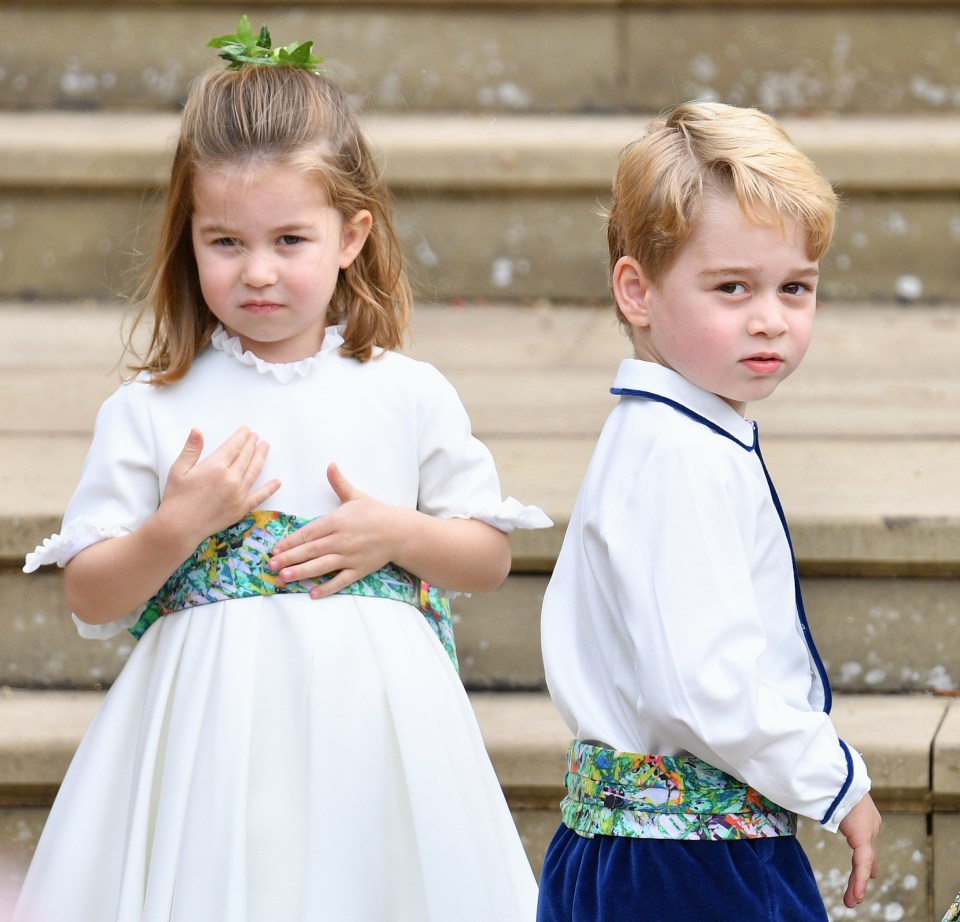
[682, 408]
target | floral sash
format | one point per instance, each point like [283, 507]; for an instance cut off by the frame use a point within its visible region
[234, 564]
[659, 797]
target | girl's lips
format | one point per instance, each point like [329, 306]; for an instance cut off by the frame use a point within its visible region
[259, 307]
[763, 364]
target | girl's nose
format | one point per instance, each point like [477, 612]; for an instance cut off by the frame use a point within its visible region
[258, 272]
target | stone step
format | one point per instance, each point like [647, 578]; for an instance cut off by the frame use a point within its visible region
[910, 743]
[874, 634]
[863, 442]
[787, 56]
[78, 194]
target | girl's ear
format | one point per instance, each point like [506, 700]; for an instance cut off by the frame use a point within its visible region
[631, 288]
[354, 236]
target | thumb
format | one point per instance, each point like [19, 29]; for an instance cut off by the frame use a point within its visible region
[191, 451]
[341, 486]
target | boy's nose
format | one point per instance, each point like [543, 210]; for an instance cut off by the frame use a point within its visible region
[767, 318]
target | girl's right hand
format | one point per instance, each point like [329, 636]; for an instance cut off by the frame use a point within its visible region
[204, 497]
[111, 578]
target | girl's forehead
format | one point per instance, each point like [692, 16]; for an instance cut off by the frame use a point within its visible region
[240, 173]
[249, 178]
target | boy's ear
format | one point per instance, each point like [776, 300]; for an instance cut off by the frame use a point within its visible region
[354, 236]
[631, 288]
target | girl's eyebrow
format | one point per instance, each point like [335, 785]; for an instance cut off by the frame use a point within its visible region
[216, 227]
[211, 227]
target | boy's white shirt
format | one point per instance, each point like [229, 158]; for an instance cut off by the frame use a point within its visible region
[670, 625]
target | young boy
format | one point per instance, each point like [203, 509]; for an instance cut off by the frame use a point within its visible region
[674, 636]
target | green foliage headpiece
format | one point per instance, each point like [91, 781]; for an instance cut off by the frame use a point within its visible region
[246, 49]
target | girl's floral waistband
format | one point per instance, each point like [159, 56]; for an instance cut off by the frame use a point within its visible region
[234, 564]
[660, 797]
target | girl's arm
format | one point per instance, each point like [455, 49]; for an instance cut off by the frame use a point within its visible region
[113, 577]
[364, 534]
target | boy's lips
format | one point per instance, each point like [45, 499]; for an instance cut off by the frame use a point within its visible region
[763, 363]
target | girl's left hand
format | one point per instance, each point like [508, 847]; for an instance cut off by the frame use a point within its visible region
[356, 539]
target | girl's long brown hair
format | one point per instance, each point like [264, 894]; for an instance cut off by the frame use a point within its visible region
[277, 115]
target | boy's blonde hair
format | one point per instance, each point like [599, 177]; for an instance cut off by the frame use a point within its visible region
[273, 115]
[703, 147]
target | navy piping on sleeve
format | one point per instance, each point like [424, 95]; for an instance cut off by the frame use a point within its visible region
[846, 784]
[755, 447]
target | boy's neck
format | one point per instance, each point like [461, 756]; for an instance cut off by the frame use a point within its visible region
[644, 354]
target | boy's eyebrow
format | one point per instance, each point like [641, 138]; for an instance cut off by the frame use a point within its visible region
[803, 272]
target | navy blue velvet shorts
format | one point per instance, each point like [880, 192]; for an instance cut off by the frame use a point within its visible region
[618, 879]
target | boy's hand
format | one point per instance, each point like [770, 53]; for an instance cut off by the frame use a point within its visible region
[860, 827]
[353, 540]
[204, 497]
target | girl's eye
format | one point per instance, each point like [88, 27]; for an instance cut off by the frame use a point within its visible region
[290, 240]
[226, 242]
[732, 288]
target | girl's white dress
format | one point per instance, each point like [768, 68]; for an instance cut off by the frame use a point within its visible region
[276, 758]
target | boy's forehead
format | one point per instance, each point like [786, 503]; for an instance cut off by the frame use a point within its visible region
[725, 235]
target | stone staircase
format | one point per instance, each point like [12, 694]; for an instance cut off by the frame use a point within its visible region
[499, 124]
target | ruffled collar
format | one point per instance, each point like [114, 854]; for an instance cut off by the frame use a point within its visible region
[284, 372]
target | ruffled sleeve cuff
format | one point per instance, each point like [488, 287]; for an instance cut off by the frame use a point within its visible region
[108, 629]
[511, 514]
[62, 548]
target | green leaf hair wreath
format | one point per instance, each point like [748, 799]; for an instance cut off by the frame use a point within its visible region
[243, 48]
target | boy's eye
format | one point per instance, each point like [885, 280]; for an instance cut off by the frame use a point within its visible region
[732, 288]
[795, 288]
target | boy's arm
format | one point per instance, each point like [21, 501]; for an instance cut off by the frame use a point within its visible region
[364, 534]
[682, 552]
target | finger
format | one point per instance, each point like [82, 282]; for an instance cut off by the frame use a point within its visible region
[252, 467]
[300, 555]
[341, 486]
[190, 453]
[332, 586]
[311, 569]
[227, 452]
[246, 452]
[300, 538]
[863, 863]
[264, 493]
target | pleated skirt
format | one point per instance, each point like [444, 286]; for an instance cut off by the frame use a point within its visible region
[279, 759]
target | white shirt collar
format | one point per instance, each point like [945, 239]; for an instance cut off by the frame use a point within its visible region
[658, 381]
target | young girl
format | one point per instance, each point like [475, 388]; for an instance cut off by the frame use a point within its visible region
[289, 739]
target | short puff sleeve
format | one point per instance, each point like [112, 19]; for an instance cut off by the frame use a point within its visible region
[458, 476]
[119, 489]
